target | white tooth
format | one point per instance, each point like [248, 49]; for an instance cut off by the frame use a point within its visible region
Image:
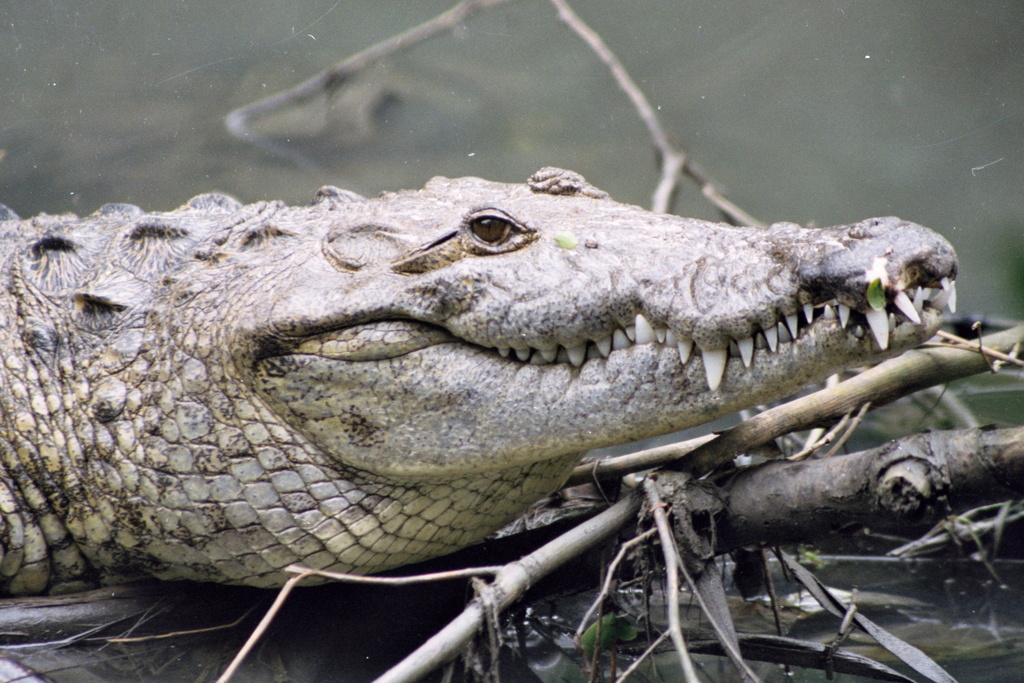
[858, 331]
[830, 313]
[685, 347]
[793, 323]
[920, 296]
[523, 354]
[904, 303]
[619, 340]
[950, 287]
[577, 354]
[661, 333]
[504, 351]
[714, 365]
[538, 359]
[771, 335]
[809, 313]
[746, 350]
[946, 298]
[644, 331]
[784, 335]
[549, 354]
[844, 314]
[879, 322]
[631, 332]
[670, 338]
[604, 346]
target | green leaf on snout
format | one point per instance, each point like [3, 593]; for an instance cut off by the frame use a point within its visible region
[614, 629]
[876, 295]
[565, 239]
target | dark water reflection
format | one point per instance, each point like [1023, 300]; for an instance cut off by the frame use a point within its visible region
[953, 610]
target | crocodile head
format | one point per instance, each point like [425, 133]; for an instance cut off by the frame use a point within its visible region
[218, 391]
[475, 326]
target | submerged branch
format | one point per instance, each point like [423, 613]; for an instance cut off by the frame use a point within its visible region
[327, 81]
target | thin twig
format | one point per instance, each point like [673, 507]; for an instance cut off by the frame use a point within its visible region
[187, 632]
[644, 655]
[668, 544]
[613, 468]
[606, 587]
[260, 629]
[673, 161]
[986, 351]
[850, 429]
[394, 580]
[813, 445]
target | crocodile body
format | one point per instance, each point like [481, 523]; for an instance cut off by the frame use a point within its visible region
[219, 391]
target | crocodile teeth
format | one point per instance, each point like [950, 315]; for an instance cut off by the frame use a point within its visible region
[685, 347]
[746, 350]
[792, 322]
[844, 315]
[879, 323]
[620, 340]
[644, 333]
[714, 365]
[910, 302]
[904, 303]
[577, 354]
[949, 289]
[784, 336]
[920, 296]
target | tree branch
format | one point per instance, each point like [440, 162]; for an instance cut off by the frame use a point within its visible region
[915, 480]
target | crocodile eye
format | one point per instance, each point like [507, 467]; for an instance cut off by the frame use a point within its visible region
[491, 229]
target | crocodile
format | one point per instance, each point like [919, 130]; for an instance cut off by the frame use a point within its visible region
[217, 392]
